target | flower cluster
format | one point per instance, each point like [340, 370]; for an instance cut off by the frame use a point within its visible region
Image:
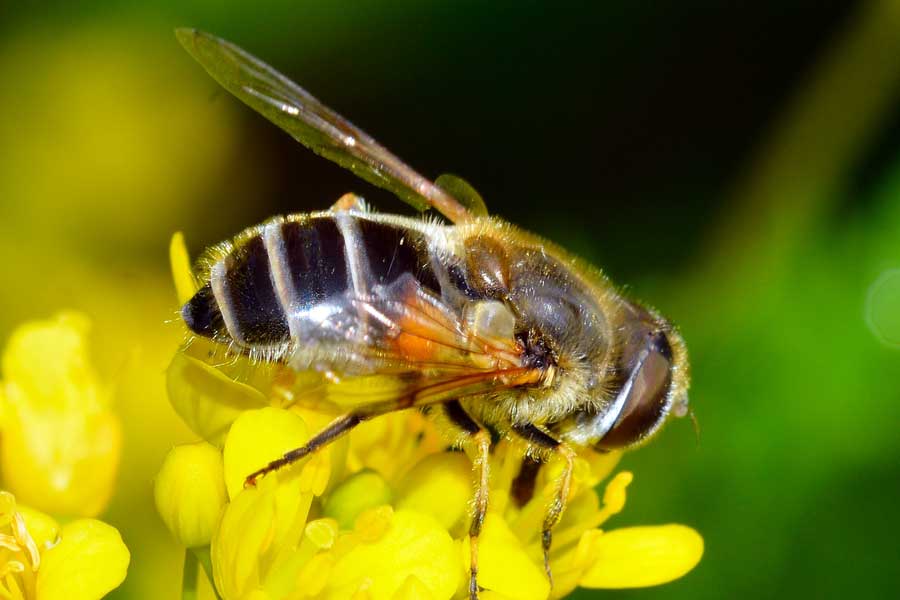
[382, 513]
[60, 449]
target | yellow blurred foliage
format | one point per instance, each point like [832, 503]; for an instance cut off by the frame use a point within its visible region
[109, 142]
[61, 442]
[107, 135]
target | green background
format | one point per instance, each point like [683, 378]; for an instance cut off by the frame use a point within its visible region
[736, 166]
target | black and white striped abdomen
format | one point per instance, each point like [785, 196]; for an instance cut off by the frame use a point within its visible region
[260, 287]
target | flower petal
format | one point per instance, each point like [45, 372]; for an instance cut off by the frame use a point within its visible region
[414, 545]
[49, 364]
[89, 562]
[413, 589]
[63, 463]
[643, 556]
[42, 528]
[601, 464]
[57, 429]
[503, 564]
[580, 512]
[615, 495]
[258, 437]
[439, 485]
[242, 537]
[261, 526]
[180, 262]
[207, 399]
[489, 595]
[315, 574]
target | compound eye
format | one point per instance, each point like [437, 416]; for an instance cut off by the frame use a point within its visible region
[646, 393]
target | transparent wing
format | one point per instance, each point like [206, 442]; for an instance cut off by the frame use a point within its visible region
[398, 347]
[313, 124]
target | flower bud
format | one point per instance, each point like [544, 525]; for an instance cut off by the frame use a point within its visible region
[361, 491]
[190, 492]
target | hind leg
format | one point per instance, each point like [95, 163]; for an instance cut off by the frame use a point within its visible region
[334, 430]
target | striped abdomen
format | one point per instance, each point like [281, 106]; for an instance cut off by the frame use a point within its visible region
[290, 267]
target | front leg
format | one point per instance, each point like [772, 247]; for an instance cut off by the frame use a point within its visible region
[477, 443]
[544, 441]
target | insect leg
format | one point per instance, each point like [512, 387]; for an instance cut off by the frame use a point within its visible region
[348, 201]
[538, 437]
[478, 442]
[334, 430]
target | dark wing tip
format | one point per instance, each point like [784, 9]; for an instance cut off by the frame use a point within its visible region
[199, 43]
[186, 36]
[193, 40]
[231, 66]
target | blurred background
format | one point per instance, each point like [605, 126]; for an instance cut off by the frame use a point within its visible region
[737, 165]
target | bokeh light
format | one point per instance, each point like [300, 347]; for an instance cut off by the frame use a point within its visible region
[883, 308]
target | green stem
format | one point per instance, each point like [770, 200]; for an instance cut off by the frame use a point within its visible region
[189, 576]
[202, 556]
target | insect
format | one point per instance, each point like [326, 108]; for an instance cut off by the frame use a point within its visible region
[490, 329]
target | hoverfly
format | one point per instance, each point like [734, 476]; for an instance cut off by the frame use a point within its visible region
[490, 329]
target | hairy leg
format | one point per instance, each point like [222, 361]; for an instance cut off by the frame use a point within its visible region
[477, 442]
[334, 430]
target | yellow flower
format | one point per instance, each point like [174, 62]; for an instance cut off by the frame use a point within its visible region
[582, 554]
[39, 560]
[267, 546]
[377, 535]
[382, 513]
[61, 444]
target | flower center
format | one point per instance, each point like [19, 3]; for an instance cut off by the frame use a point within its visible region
[19, 555]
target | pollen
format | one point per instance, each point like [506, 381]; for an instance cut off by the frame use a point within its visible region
[40, 560]
[21, 549]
